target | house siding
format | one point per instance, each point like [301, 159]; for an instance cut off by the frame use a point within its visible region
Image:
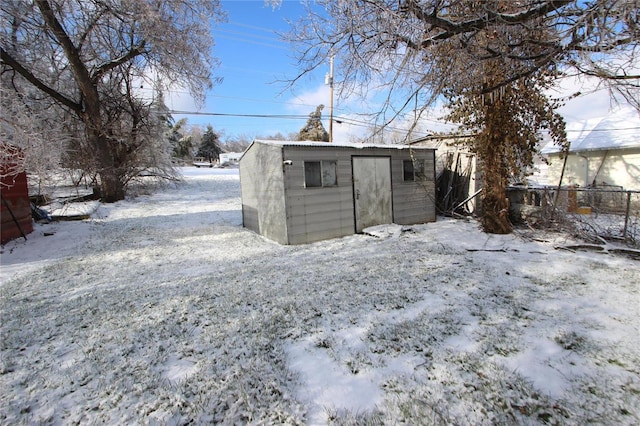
[619, 167]
[450, 151]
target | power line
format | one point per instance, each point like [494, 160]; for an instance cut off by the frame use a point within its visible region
[222, 114]
[336, 119]
[249, 35]
[253, 27]
[252, 42]
[603, 130]
[261, 100]
[253, 38]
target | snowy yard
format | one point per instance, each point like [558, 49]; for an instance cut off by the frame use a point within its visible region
[164, 310]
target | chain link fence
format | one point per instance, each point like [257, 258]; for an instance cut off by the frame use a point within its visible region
[604, 212]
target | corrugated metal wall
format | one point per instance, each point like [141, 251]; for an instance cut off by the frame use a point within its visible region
[413, 202]
[315, 214]
[261, 175]
[15, 212]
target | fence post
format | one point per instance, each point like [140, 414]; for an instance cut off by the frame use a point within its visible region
[626, 216]
[572, 199]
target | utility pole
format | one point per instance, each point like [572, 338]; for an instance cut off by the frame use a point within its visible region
[329, 80]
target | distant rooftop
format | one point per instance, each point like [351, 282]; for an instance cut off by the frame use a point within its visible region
[618, 130]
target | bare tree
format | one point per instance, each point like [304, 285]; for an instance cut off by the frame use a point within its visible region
[91, 56]
[485, 57]
[41, 134]
[238, 143]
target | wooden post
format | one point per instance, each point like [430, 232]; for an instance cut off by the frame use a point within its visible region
[626, 216]
[572, 200]
[564, 166]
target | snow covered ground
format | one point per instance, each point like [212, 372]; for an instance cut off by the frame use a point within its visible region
[164, 310]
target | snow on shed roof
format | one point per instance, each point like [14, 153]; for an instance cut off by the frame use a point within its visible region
[316, 144]
[336, 145]
[618, 130]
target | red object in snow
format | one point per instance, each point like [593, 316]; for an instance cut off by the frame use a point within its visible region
[15, 206]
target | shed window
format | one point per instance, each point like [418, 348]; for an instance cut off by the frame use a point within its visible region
[413, 170]
[320, 173]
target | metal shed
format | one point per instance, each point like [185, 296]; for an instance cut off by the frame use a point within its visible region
[301, 192]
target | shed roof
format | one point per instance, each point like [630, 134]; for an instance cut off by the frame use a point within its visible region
[328, 145]
[335, 145]
[618, 130]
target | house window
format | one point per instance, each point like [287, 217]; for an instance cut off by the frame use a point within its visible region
[320, 173]
[413, 170]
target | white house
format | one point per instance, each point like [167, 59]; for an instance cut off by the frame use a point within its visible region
[607, 154]
[228, 157]
[459, 178]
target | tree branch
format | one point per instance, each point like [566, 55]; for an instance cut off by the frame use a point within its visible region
[31, 78]
[92, 24]
[106, 67]
[450, 28]
[72, 54]
[510, 80]
[603, 74]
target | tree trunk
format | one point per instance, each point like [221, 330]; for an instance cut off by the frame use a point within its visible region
[111, 186]
[495, 174]
[112, 182]
[495, 205]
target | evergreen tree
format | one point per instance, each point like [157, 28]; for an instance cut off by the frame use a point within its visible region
[184, 147]
[210, 145]
[181, 144]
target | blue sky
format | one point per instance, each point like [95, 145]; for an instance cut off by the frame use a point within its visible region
[255, 65]
[255, 62]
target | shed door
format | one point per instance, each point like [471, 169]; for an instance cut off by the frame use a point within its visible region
[372, 191]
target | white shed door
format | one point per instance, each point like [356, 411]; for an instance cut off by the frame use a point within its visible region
[372, 191]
